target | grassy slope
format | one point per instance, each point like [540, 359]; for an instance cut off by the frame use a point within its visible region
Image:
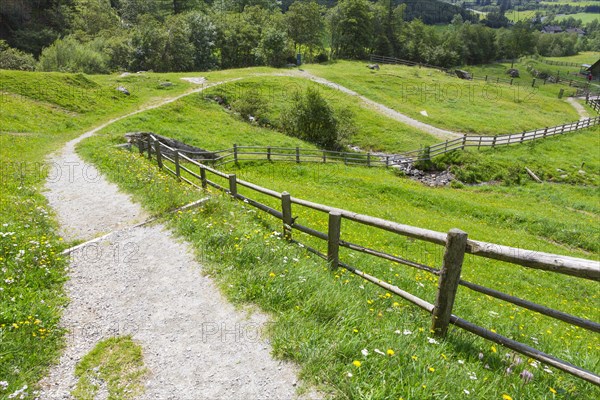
[463, 106]
[586, 57]
[325, 319]
[39, 112]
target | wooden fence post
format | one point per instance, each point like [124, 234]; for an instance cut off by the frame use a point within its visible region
[494, 141]
[368, 159]
[269, 153]
[232, 185]
[522, 136]
[464, 141]
[456, 244]
[298, 155]
[140, 143]
[235, 154]
[387, 161]
[533, 83]
[324, 157]
[203, 177]
[158, 154]
[286, 211]
[177, 167]
[149, 143]
[333, 239]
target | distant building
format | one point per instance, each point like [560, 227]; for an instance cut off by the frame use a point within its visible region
[552, 29]
[580, 32]
[594, 69]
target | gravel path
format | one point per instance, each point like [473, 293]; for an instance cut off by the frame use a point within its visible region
[583, 114]
[143, 282]
[382, 109]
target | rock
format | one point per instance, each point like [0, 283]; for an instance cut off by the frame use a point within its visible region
[373, 67]
[166, 84]
[123, 90]
[463, 74]
[513, 72]
[424, 113]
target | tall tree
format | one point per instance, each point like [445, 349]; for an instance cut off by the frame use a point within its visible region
[351, 28]
[305, 25]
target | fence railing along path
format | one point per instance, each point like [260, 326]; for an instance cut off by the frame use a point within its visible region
[456, 245]
[303, 155]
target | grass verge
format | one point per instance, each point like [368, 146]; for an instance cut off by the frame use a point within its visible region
[114, 369]
[356, 341]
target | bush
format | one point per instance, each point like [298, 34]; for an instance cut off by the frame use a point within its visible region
[68, 55]
[250, 104]
[15, 59]
[311, 118]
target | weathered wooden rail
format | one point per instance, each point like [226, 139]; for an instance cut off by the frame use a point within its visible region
[456, 244]
[303, 155]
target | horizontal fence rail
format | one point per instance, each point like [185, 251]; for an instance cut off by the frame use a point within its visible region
[456, 245]
[303, 155]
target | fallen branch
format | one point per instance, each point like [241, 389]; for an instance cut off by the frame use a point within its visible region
[146, 222]
[533, 176]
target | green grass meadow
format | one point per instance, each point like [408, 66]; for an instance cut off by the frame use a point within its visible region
[350, 339]
[464, 106]
[353, 340]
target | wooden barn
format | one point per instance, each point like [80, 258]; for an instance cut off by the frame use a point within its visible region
[594, 69]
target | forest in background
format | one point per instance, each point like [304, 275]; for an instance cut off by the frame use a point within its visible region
[102, 36]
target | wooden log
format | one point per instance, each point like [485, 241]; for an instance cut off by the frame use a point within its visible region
[149, 143]
[568, 318]
[456, 243]
[159, 160]
[532, 175]
[203, 176]
[177, 166]
[232, 185]
[526, 350]
[333, 241]
[286, 212]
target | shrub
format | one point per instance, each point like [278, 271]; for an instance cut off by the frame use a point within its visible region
[68, 55]
[250, 104]
[311, 118]
[15, 59]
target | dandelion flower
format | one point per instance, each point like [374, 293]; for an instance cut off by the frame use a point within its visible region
[431, 369]
[506, 397]
[390, 352]
[494, 349]
[356, 363]
[553, 390]
[272, 275]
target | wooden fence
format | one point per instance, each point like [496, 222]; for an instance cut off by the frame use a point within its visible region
[302, 155]
[456, 245]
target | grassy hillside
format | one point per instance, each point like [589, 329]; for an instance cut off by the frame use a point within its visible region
[200, 121]
[451, 103]
[325, 320]
[39, 113]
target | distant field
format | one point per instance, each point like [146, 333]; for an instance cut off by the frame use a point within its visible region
[584, 17]
[452, 103]
[573, 3]
[586, 57]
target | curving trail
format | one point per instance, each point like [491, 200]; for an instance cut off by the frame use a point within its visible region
[143, 282]
[384, 110]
